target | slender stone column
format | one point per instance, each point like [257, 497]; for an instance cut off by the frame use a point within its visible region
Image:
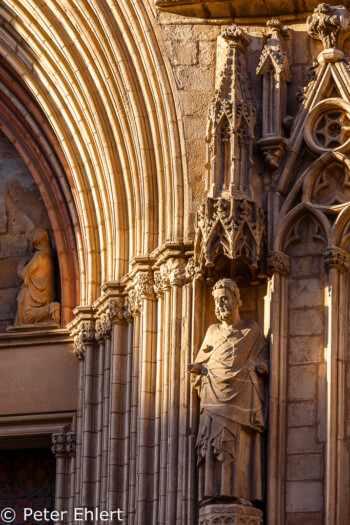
[187, 496]
[175, 269]
[336, 262]
[103, 329]
[63, 446]
[83, 330]
[87, 423]
[164, 401]
[146, 406]
[105, 415]
[117, 444]
[159, 283]
[279, 266]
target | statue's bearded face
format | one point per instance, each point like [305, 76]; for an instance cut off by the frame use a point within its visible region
[225, 303]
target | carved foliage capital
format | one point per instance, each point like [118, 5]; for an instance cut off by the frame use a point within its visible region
[193, 270]
[116, 310]
[85, 335]
[334, 257]
[63, 444]
[103, 327]
[161, 282]
[236, 35]
[326, 23]
[143, 288]
[278, 262]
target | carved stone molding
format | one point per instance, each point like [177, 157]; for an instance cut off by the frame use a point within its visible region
[241, 10]
[230, 514]
[63, 444]
[326, 24]
[234, 227]
[334, 257]
[278, 262]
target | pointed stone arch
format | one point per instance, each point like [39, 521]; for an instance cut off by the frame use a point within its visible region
[114, 126]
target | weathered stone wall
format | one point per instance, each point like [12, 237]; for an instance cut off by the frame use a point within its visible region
[306, 380]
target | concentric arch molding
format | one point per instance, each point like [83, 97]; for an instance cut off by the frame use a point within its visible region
[240, 10]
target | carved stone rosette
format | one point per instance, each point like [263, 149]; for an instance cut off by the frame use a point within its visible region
[63, 444]
[233, 227]
[230, 514]
[278, 262]
[334, 257]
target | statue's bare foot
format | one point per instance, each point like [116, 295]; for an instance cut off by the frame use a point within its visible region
[244, 502]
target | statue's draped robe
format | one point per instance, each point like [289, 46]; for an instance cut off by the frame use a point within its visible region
[36, 295]
[233, 412]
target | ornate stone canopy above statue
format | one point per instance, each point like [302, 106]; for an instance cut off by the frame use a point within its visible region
[230, 225]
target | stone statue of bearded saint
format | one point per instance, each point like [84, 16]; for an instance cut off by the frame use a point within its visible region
[35, 299]
[230, 374]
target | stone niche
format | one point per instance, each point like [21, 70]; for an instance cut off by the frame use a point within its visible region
[239, 10]
[21, 211]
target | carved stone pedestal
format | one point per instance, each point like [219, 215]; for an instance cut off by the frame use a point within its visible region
[230, 514]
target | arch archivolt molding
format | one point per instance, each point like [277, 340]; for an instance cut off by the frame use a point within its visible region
[107, 101]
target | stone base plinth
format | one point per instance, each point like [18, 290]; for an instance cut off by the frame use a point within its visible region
[230, 514]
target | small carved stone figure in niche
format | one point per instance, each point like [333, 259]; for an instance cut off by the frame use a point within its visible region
[231, 378]
[35, 299]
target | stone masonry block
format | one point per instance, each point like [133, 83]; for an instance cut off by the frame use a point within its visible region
[306, 293]
[302, 413]
[302, 382]
[195, 103]
[207, 53]
[301, 518]
[306, 349]
[178, 32]
[305, 467]
[300, 266]
[301, 440]
[304, 496]
[194, 127]
[306, 322]
[195, 78]
[183, 53]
